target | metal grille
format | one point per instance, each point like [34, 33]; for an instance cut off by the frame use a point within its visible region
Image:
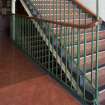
[69, 53]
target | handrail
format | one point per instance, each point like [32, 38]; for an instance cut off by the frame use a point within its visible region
[89, 25]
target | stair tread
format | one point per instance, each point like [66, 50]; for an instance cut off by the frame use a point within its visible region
[101, 58]
[88, 47]
[101, 77]
[102, 97]
[101, 88]
[88, 39]
[88, 36]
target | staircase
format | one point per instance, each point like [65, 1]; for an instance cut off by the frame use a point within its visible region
[63, 38]
[5, 7]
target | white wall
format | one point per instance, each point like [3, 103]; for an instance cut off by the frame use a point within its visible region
[91, 5]
[13, 6]
[102, 9]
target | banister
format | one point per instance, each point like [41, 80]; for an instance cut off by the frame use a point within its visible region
[62, 46]
[82, 26]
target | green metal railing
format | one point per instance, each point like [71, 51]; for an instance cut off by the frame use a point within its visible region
[63, 39]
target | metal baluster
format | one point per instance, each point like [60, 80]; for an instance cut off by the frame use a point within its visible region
[60, 37]
[56, 37]
[92, 55]
[78, 47]
[97, 50]
[53, 35]
[84, 65]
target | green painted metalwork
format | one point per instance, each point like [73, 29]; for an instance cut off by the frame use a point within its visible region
[59, 49]
[84, 66]
[97, 48]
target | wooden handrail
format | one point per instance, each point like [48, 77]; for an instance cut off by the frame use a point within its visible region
[66, 24]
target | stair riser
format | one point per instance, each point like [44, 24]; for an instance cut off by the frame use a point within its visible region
[47, 6]
[59, 13]
[88, 64]
[88, 48]
[88, 37]
[61, 16]
[101, 76]
[102, 98]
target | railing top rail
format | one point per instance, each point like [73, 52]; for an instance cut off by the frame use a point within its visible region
[65, 24]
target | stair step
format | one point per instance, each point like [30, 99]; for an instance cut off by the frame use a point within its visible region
[88, 48]
[60, 30]
[101, 60]
[102, 97]
[75, 21]
[59, 3]
[68, 38]
[49, 7]
[61, 16]
[101, 77]
[51, 2]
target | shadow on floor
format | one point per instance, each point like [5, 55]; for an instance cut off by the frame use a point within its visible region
[14, 66]
[22, 83]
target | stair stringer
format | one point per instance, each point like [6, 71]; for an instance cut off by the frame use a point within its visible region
[53, 51]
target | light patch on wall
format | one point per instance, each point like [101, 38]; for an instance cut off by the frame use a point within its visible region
[13, 6]
[91, 5]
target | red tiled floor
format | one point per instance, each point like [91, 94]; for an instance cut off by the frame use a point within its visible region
[22, 83]
[14, 67]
